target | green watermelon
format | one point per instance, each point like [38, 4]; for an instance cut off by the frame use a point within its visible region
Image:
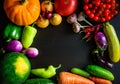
[14, 68]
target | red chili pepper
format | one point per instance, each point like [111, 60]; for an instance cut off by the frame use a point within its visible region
[89, 29]
[97, 28]
[87, 35]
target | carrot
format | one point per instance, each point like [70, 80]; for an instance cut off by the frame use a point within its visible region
[100, 80]
[70, 78]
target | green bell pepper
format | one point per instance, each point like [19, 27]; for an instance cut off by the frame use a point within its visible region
[12, 31]
[45, 73]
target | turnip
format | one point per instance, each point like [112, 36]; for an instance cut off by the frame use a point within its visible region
[72, 18]
[76, 27]
[31, 52]
[14, 46]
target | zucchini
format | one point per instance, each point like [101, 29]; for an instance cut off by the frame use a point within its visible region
[113, 42]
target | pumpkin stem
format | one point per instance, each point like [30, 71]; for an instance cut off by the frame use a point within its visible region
[23, 1]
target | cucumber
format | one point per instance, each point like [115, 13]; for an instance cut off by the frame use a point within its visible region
[79, 71]
[100, 72]
[39, 81]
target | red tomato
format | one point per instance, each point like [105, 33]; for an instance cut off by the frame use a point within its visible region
[65, 7]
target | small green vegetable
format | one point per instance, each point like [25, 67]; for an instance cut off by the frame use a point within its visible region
[39, 81]
[100, 72]
[45, 73]
[29, 32]
[80, 72]
[12, 31]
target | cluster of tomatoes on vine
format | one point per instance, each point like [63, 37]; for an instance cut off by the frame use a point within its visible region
[101, 10]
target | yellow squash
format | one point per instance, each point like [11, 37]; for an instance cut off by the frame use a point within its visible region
[113, 42]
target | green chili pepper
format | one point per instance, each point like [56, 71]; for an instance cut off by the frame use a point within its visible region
[79, 71]
[45, 73]
[12, 31]
[28, 34]
[39, 81]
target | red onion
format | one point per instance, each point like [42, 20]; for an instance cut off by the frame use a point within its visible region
[47, 14]
[14, 46]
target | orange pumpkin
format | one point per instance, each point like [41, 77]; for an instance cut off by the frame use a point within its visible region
[22, 12]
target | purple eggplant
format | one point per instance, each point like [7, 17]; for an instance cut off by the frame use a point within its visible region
[100, 40]
[100, 60]
[14, 46]
[31, 52]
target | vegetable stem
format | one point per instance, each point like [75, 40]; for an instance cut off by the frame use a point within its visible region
[81, 17]
[33, 24]
[58, 66]
[23, 2]
[8, 40]
[88, 22]
[81, 25]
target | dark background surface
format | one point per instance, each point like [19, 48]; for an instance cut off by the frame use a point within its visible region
[60, 45]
